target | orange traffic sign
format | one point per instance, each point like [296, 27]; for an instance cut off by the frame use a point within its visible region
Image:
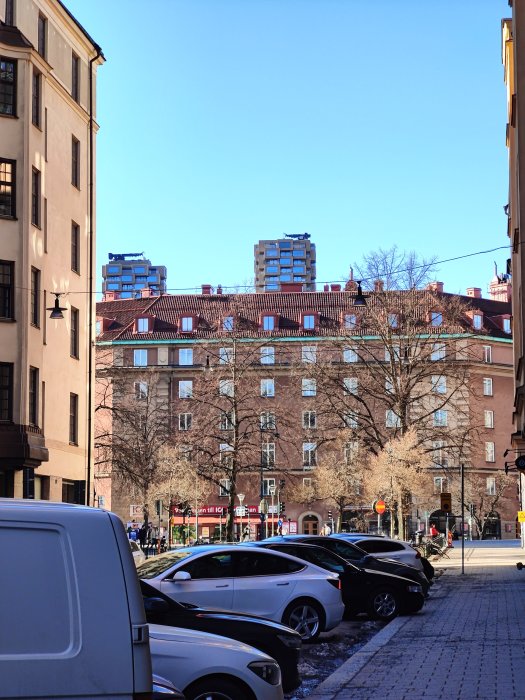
[380, 507]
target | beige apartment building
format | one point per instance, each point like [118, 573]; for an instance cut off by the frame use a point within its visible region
[48, 66]
[256, 390]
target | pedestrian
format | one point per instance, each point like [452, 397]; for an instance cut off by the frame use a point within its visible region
[434, 532]
[143, 536]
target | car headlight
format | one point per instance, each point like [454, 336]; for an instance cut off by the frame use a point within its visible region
[290, 641]
[415, 588]
[269, 671]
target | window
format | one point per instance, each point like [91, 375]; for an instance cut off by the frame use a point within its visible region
[307, 482]
[227, 323]
[396, 352]
[440, 418]
[308, 353]
[309, 387]
[438, 351]
[226, 387]
[489, 452]
[350, 419]
[491, 486]
[73, 419]
[393, 320]
[267, 420]
[507, 325]
[185, 389]
[225, 356]
[224, 487]
[268, 323]
[75, 77]
[74, 332]
[309, 455]
[267, 356]
[439, 384]
[226, 420]
[140, 358]
[309, 420]
[477, 321]
[267, 388]
[350, 452]
[389, 386]
[75, 162]
[7, 87]
[141, 390]
[6, 391]
[487, 354]
[487, 386]
[440, 484]
[186, 356]
[439, 458]
[33, 396]
[350, 385]
[309, 322]
[35, 197]
[489, 419]
[7, 289]
[350, 321]
[36, 90]
[226, 454]
[42, 36]
[350, 355]
[392, 420]
[7, 188]
[35, 297]
[186, 324]
[9, 12]
[185, 421]
[142, 325]
[75, 247]
[268, 454]
[267, 485]
[436, 318]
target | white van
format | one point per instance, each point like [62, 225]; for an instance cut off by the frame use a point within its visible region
[72, 622]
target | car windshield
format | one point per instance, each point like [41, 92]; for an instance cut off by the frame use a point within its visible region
[156, 565]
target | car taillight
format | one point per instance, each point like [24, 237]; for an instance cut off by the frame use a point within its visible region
[336, 583]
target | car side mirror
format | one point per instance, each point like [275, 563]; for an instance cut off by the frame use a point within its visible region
[181, 576]
[154, 605]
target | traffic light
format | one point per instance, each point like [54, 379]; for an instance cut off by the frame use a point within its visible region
[330, 515]
[282, 508]
[281, 484]
[446, 502]
[158, 506]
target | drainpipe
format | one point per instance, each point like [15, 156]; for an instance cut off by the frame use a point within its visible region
[91, 207]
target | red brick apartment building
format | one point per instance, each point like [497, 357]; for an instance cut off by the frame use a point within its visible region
[258, 390]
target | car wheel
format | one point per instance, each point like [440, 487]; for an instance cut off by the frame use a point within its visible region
[305, 617]
[217, 689]
[383, 604]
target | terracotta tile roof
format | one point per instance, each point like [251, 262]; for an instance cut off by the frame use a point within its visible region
[247, 309]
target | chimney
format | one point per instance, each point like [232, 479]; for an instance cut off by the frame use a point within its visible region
[219, 289]
[474, 292]
[206, 288]
[146, 292]
[326, 288]
[289, 287]
[111, 296]
[335, 287]
[436, 287]
[379, 286]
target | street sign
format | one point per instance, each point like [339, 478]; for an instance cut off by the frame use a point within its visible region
[379, 507]
[135, 511]
[279, 523]
[521, 516]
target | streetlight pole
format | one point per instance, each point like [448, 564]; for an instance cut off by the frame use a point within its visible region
[240, 496]
[272, 494]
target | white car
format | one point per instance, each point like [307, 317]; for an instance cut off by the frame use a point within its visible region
[208, 666]
[385, 548]
[250, 580]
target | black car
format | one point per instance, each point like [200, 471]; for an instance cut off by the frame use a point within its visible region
[380, 594]
[278, 641]
[357, 556]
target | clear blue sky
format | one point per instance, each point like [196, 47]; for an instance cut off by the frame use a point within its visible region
[363, 123]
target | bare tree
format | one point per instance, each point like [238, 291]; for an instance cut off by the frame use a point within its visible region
[395, 268]
[480, 502]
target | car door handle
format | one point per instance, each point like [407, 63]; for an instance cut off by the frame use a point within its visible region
[223, 585]
[284, 584]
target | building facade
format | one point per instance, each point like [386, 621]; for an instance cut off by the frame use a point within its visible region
[284, 261]
[127, 274]
[513, 46]
[260, 390]
[48, 66]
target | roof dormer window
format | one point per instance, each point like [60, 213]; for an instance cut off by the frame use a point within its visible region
[477, 321]
[269, 322]
[507, 325]
[188, 324]
[309, 320]
[436, 319]
[142, 325]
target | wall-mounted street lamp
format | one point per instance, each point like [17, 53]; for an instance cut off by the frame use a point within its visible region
[56, 309]
[360, 298]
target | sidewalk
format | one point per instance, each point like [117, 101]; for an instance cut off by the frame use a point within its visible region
[467, 643]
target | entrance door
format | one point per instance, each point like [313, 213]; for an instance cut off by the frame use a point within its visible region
[310, 525]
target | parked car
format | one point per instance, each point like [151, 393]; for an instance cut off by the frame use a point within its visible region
[385, 547]
[380, 594]
[138, 554]
[274, 639]
[269, 584]
[210, 667]
[355, 555]
[163, 689]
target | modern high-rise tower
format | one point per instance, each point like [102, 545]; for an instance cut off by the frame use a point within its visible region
[285, 260]
[127, 275]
